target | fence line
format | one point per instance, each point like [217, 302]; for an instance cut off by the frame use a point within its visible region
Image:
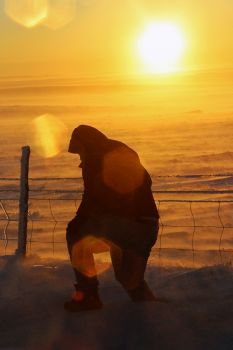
[26, 197]
[54, 220]
[154, 176]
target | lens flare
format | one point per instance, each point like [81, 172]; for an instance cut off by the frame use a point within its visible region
[78, 295]
[51, 13]
[28, 13]
[122, 171]
[50, 135]
[82, 255]
[60, 13]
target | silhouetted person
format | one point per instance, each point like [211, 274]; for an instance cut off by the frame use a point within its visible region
[117, 213]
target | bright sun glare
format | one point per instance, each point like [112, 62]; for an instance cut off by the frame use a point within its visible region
[160, 47]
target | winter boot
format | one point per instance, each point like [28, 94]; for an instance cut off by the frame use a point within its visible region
[84, 300]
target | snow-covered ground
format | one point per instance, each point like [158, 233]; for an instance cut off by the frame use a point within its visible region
[197, 312]
[176, 129]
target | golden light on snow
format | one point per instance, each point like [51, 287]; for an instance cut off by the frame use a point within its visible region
[50, 135]
[28, 13]
[160, 46]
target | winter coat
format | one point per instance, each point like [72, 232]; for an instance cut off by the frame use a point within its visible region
[115, 181]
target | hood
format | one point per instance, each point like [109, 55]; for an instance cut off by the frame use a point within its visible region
[88, 139]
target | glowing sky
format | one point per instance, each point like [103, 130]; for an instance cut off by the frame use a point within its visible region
[101, 38]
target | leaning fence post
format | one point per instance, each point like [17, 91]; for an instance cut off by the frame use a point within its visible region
[23, 202]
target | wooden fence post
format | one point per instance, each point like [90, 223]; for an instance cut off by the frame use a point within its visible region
[23, 202]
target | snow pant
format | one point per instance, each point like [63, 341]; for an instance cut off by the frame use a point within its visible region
[129, 242]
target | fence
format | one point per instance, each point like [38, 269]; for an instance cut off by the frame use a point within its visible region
[193, 216]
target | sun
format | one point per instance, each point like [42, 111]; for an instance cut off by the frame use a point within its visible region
[160, 47]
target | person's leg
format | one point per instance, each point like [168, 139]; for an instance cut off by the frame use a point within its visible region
[82, 260]
[129, 268]
[81, 255]
[130, 264]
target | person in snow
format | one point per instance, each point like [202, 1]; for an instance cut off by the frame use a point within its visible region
[117, 212]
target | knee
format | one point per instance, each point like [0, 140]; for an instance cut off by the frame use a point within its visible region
[68, 237]
[70, 232]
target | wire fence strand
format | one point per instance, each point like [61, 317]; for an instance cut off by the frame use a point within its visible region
[54, 215]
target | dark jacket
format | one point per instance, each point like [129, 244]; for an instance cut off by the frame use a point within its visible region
[114, 179]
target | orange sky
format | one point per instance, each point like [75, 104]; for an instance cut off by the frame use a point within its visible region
[101, 38]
